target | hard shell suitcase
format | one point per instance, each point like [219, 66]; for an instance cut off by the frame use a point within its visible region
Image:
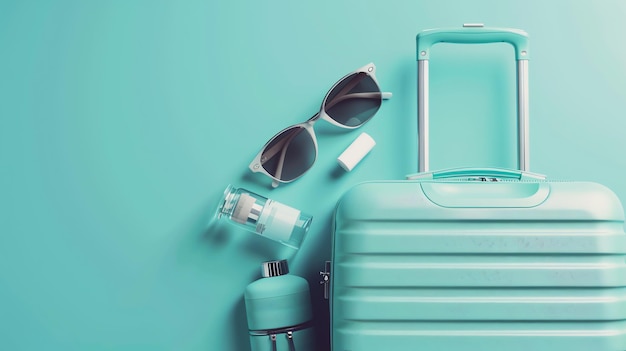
[478, 259]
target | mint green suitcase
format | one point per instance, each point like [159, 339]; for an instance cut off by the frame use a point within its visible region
[478, 259]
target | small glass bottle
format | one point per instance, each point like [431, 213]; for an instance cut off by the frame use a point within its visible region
[264, 216]
[278, 309]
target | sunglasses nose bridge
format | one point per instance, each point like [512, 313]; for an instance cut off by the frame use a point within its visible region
[315, 117]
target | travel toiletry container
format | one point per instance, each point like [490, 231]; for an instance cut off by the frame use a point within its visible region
[264, 216]
[278, 307]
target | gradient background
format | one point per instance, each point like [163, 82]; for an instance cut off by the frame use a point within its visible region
[121, 122]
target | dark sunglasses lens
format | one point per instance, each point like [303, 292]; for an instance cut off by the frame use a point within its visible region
[289, 155]
[354, 100]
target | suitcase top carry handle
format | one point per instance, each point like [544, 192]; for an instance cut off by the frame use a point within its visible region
[482, 174]
[472, 34]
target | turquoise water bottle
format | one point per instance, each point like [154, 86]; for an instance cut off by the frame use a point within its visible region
[278, 307]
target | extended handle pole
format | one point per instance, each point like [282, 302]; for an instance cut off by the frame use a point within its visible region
[475, 34]
[522, 116]
[423, 117]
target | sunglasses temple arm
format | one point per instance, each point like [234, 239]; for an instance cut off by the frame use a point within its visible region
[279, 167]
[281, 160]
[344, 91]
[269, 153]
[384, 95]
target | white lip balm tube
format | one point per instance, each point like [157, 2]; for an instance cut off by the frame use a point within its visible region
[360, 147]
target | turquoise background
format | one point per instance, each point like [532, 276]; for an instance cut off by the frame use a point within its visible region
[121, 122]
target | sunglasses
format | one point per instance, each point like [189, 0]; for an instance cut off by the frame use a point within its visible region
[349, 104]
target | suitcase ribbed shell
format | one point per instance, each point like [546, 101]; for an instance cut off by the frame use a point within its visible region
[461, 265]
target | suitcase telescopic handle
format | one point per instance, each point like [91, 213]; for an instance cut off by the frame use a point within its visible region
[472, 34]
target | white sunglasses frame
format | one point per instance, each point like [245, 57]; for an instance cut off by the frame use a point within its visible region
[256, 165]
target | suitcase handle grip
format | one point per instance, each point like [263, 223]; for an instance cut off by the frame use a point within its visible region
[486, 174]
[473, 34]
